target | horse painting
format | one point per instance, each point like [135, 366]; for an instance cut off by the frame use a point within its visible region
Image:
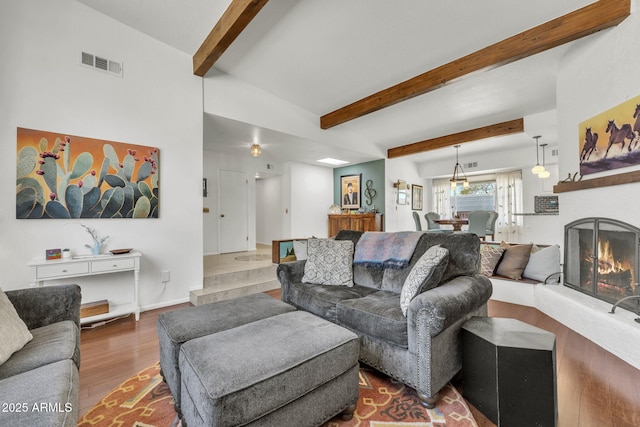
[617, 135]
[590, 142]
[636, 125]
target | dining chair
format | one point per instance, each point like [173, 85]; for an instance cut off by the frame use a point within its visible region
[478, 223]
[491, 224]
[416, 218]
[432, 226]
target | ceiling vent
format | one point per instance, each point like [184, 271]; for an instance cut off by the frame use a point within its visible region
[470, 165]
[102, 64]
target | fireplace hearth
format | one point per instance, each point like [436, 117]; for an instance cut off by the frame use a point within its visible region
[601, 259]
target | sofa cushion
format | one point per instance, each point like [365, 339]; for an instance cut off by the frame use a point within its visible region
[425, 275]
[377, 315]
[51, 343]
[490, 256]
[514, 260]
[14, 333]
[321, 300]
[329, 262]
[543, 263]
[49, 393]
[464, 258]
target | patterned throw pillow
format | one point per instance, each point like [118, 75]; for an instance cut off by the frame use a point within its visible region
[329, 262]
[13, 331]
[490, 256]
[424, 275]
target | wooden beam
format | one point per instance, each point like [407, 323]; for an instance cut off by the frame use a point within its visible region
[232, 22]
[499, 129]
[572, 26]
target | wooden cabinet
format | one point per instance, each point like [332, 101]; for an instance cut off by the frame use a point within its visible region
[355, 222]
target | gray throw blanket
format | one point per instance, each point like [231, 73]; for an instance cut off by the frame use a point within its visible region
[393, 250]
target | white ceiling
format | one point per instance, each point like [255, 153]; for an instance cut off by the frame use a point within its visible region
[323, 55]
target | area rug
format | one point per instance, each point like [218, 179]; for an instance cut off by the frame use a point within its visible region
[144, 400]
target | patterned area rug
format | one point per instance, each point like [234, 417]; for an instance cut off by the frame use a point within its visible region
[144, 400]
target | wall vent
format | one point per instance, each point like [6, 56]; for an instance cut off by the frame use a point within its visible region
[102, 64]
[470, 165]
[554, 152]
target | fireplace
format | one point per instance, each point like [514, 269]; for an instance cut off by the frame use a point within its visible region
[601, 259]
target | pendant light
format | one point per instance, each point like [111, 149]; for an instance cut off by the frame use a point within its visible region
[545, 173]
[457, 170]
[537, 168]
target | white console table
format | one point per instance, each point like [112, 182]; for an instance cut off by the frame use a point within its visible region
[41, 270]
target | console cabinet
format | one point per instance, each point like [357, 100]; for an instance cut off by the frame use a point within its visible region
[356, 222]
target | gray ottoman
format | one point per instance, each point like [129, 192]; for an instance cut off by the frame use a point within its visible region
[179, 326]
[294, 369]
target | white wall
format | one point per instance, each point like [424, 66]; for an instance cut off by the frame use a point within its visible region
[157, 103]
[310, 197]
[400, 217]
[270, 215]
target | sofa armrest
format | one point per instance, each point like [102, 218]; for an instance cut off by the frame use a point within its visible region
[444, 305]
[289, 273]
[46, 305]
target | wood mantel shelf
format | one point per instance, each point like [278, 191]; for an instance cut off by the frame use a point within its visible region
[605, 181]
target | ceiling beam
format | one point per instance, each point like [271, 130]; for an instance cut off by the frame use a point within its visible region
[491, 131]
[572, 26]
[232, 22]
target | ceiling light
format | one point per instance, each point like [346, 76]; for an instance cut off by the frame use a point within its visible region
[334, 162]
[545, 173]
[256, 150]
[537, 168]
[457, 170]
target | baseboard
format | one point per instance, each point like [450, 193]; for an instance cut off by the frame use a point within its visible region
[164, 304]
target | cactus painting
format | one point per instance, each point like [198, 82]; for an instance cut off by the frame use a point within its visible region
[64, 176]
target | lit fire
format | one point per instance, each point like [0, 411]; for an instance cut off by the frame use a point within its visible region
[606, 261]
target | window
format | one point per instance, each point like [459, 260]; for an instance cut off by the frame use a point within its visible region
[480, 196]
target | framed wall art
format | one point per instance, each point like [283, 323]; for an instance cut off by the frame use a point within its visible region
[350, 191]
[416, 197]
[610, 139]
[65, 176]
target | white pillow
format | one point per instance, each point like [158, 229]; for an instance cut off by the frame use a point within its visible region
[300, 249]
[425, 275]
[543, 263]
[14, 334]
[329, 262]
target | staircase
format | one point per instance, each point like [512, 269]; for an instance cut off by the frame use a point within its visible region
[224, 286]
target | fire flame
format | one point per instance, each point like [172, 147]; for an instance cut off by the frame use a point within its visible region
[606, 261]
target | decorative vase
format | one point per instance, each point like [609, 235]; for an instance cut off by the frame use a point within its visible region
[96, 248]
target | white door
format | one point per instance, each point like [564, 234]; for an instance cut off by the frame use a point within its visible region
[233, 213]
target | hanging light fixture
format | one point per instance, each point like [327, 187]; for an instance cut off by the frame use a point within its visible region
[545, 173]
[256, 150]
[538, 167]
[457, 172]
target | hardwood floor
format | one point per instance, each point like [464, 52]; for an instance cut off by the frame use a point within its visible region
[595, 388]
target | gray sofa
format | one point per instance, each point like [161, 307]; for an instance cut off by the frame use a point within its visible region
[423, 349]
[39, 383]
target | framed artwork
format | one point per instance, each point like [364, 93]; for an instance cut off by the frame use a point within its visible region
[610, 139]
[350, 191]
[416, 197]
[65, 176]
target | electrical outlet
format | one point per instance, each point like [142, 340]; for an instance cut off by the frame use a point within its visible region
[165, 276]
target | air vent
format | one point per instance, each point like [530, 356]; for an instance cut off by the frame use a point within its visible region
[470, 165]
[102, 64]
[554, 152]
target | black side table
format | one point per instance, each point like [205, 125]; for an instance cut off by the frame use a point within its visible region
[509, 371]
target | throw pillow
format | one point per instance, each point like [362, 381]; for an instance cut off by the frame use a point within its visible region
[490, 256]
[329, 262]
[300, 249]
[543, 263]
[514, 260]
[14, 334]
[424, 275]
